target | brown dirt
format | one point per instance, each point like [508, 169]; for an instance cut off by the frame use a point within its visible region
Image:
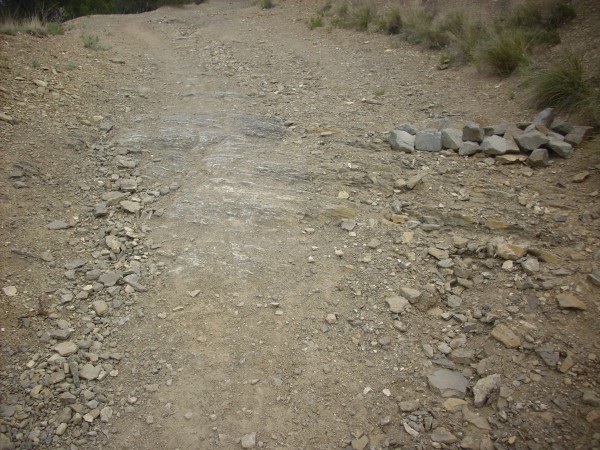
[260, 123]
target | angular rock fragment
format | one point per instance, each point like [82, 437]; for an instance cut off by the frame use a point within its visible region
[448, 383]
[397, 304]
[473, 132]
[538, 158]
[451, 138]
[494, 145]
[484, 388]
[402, 141]
[530, 141]
[506, 336]
[570, 301]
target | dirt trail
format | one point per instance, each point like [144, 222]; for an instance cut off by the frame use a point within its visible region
[253, 138]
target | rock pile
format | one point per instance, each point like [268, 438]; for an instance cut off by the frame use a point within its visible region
[532, 143]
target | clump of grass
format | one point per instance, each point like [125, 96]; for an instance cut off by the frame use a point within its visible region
[34, 63]
[464, 36]
[541, 15]
[9, 26]
[70, 64]
[265, 4]
[53, 29]
[341, 18]
[391, 22]
[559, 14]
[566, 86]
[315, 22]
[419, 27]
[378, 92]
[324, 8]
[34, 27]
[504, 53]
[361, 15]
[91, 41]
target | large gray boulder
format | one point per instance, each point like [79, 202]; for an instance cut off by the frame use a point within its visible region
[428, 140]
[531, 140]
[451, 138]
[560, 147]
[494, 145]
[468, 148]
[538, 158]
[401, 140]
[473, 132]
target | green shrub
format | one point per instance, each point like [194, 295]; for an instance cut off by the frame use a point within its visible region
[378, 92]
[503, 53]
[315, 22]
[53, 28]
[91, 41]
[565, 85]
[266, 4]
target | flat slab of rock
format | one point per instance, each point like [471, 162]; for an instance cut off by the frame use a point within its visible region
[90, 372]
[544, 255]
[506, 336]
[443, 436]
[66, 348]
[569, 301]
[510, 251]
[510, 158]
[448, 383]
[113, 197]
[130, 206]
[475, 419]
[58, 225]
[409, 405]
[397, 304]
